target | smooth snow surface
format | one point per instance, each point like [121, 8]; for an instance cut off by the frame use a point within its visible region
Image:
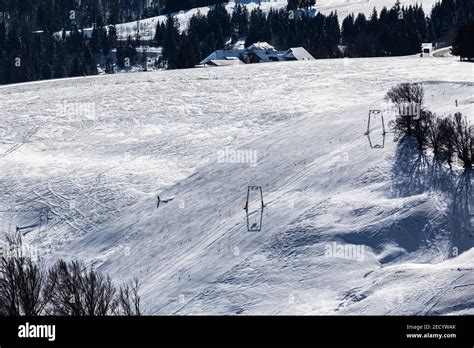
[347, 229]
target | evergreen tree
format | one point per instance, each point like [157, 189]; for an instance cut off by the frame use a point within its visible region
[105, 43]
[171, 42]
[159, 34]
[257, 22]
[77, 69]
[46, 73]
[60, 66]
[463, 45]
[186, 57]
[112, 36]
[240, 20]
[109, 66]
[130, 53]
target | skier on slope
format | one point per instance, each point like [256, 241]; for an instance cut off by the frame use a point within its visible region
[159, 201]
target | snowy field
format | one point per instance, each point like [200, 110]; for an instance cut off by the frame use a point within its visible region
[147, 26]
[346, 7]
[347, 229]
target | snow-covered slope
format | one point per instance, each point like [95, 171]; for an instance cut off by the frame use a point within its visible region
[347, 229]
[147, 26]
[346, 7]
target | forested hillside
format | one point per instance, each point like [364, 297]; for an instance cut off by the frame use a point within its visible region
[42, 39]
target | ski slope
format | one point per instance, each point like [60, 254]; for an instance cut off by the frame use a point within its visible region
[147, 26]
[95, 152]
[346, 7]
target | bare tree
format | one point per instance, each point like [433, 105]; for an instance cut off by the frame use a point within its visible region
[81, 292]
[420, 128]
[411, 94]
[66, 294]
[67, 288]
[24, 285]
[128, 300]
[9, 302]
[462, 140]
[406, 93]
[98, 292]
[440, 138]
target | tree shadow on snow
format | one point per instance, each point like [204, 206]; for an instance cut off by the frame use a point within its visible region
[413, 173]
[412, 225]
[462, 209]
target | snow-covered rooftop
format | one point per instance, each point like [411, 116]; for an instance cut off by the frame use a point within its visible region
[297, 53]
[225, 62]
[222, 55]
[261, 46]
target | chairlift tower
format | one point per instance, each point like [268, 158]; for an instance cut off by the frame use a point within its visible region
[254, 208]
[376, 140]
[372, 114]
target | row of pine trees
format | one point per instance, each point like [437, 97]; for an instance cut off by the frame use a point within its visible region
[392, 32]
[56, 15]
[34, 44]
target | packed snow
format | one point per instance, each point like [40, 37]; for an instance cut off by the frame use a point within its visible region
[346, 228]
